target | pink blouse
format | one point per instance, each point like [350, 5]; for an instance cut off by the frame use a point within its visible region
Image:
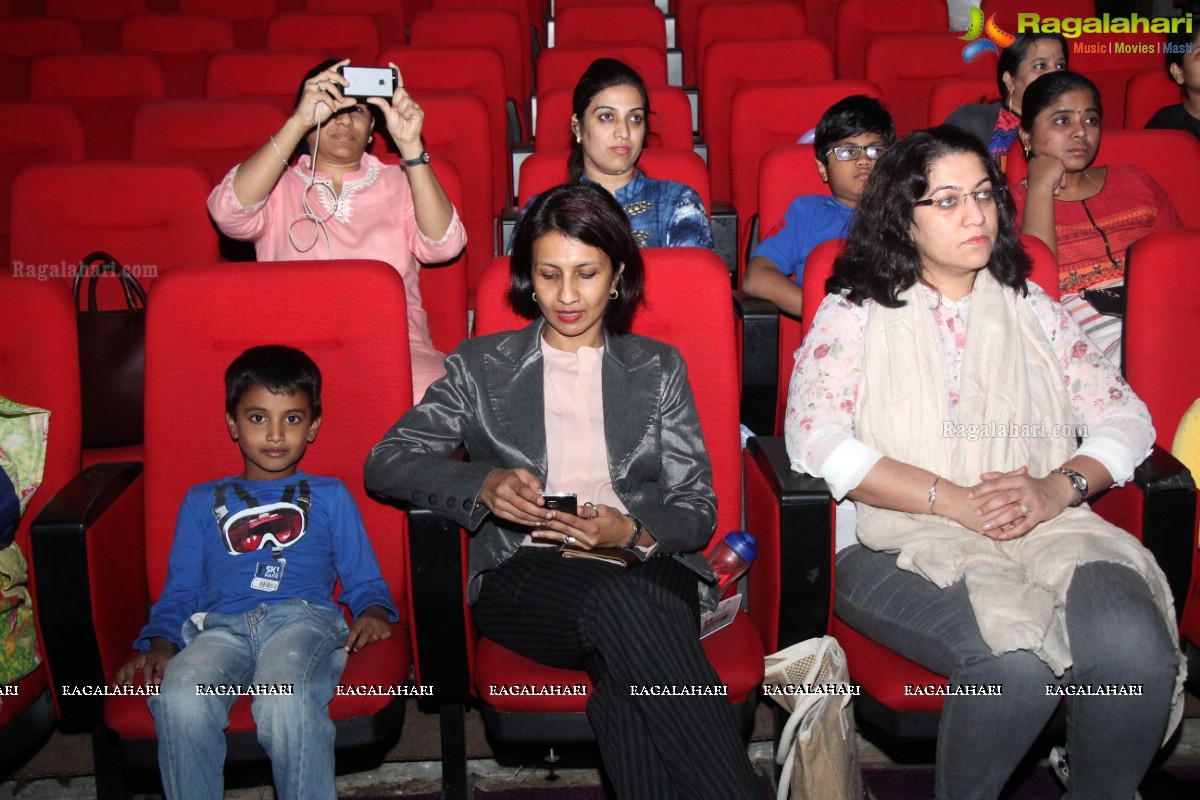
[819, 425]
[373, 217]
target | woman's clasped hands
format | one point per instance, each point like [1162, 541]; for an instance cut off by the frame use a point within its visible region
[1008, 505]
[515, 495]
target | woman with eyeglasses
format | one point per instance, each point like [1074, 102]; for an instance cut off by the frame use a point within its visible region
[609, 122]
[1088, 215]
[996, 124]
[943, 393]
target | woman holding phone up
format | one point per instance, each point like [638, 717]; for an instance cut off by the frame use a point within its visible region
[573, 402]
[335, 200]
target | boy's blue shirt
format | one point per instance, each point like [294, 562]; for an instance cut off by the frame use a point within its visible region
[202, 575]
[810, 220]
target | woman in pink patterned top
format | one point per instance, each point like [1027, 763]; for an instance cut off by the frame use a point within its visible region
[947, 397]
[348, 204]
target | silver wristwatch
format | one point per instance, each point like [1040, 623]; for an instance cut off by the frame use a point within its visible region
[416, 162]
[1078, 481]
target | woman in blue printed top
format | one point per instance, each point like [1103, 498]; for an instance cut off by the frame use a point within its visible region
[610, 119]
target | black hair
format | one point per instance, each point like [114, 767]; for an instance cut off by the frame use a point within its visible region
[278, 369]
[302, 147]
[1178, 41]
[852, 116]
[588, 213]
[1048, 88]
[881, 260]
[1012, 56]
[601, 74]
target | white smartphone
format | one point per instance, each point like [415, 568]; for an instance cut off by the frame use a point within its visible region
[369, 81]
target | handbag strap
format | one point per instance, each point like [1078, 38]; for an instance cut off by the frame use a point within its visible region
[93, 266]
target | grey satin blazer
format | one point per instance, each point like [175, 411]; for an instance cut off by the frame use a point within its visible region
[492, 400]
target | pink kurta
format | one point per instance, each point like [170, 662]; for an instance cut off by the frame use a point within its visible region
[372, 218]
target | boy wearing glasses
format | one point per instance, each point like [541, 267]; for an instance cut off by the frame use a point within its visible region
[851, 134]
[248, 603]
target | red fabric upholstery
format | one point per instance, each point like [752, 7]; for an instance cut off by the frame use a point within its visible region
[349, 316]
[1111, 71]
[670, 119]
[732, 64]
[24, 37]
[249, 18]
[49, 132]
[498, 29]
[216, 133]
[389, 16]
[603, 25]
[116, 83]
[1178, 175]
[883, 673]
[687, 14]
[795, 108]
[479, 71]
[101, 28]
[181, 43]
[150, 216]
[1146, 92]
[352, 36]
[529, 12]
[543, 170]
[822, 18]
[43, 371]
[773, 19]
[703, 332]
[947, 94]
[906, 66]
[858, 21]
[561, 67]
[277, 74]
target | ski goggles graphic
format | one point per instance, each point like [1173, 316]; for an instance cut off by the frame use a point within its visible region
[276, 525]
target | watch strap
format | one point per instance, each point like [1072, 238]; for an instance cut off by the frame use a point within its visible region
[1077, 480]
[418, 161]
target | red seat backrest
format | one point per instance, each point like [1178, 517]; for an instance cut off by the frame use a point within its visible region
[786, 171]
[276, 74]
[352, 36]
[859, 21]
[702, 331]
[1146, 92]
[49, 132]
[389, 16]
[150, 216]
[104, 89]
[24, 37]
[670, 118]
[349, 316]
[795, 108]
[906, 66]
[528, 11]
[947, 94]
[181, 43]
[732, 64]
[544, 170]
[249, 17]
[603, 25]
[101, 30]
[770, 19]
[561, 67]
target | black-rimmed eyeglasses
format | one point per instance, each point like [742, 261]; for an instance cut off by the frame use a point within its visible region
[849, 152]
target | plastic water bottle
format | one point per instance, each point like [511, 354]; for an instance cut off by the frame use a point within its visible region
[731, 558]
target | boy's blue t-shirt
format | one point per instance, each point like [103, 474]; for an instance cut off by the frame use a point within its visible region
[205, 574]
[810, 220]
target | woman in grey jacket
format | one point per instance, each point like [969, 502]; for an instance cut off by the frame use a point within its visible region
[574, 403]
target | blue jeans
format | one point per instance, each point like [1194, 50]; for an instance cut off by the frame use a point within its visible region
[1117, 636]
[292, 642]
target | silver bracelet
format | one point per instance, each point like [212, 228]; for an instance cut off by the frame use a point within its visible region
[933, 493]
[277, 150]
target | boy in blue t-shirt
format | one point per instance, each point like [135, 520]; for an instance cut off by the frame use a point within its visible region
[854, 131]
[248, 603]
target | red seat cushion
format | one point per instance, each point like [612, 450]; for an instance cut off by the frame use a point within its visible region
[28, 690]
[883, 673]
[383, 665]
[735, 651]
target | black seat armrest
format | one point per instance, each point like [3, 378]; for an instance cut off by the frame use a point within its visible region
[759, 321]
[1168, 523]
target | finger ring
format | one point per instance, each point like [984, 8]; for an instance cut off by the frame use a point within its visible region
[1024, 510]
[569, 540]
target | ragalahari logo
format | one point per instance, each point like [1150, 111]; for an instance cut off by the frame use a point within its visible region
[995, 41]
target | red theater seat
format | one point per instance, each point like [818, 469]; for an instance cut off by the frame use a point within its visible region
[181, 43]
[25, 37]
[605, 25]
[859, 21]
[561, 67]
[1146, 92]
[670, 119]
[780, 19]
[352, 36]
[276, 74]
[249, 17]
[906, 66]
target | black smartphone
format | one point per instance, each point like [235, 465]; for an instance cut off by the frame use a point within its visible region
[369, 81]
[562, 501]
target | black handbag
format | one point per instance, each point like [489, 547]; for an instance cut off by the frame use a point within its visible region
[112, 357]
[1109, 301]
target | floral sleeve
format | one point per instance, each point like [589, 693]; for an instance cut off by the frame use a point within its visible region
[1115, 424]
[819, 426]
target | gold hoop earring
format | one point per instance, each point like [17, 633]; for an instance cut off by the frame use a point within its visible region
[613, 294]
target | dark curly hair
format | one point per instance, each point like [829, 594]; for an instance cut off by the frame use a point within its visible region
[587, 212]
[881, 260]
[603, 73]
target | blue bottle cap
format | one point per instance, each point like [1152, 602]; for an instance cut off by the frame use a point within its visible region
[742, 543]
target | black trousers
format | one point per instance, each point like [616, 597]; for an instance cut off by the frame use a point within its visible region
[628, 628]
